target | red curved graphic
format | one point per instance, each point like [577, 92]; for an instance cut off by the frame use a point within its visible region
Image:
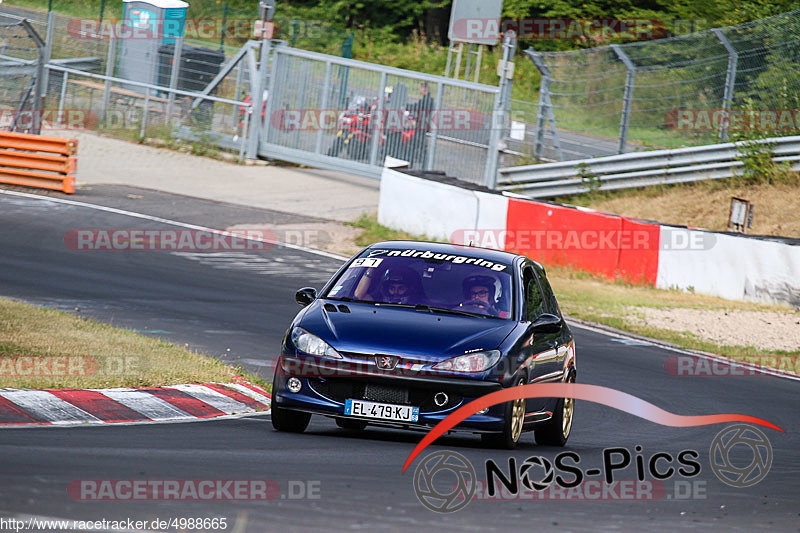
[590, 393]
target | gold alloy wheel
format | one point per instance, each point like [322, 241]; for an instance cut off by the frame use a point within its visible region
[517, 416]
[566, 419]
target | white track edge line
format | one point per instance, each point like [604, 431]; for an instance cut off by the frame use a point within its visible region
[134, 214]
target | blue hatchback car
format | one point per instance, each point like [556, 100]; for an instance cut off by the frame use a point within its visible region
[406, 332]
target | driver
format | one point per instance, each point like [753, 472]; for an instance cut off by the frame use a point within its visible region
[479, 293]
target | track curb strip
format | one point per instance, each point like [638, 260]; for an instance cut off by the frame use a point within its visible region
[174, 403]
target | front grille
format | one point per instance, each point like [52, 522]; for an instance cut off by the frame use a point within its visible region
[340, 390]
[379, 393]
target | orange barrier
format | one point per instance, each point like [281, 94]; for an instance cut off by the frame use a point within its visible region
[38, 161]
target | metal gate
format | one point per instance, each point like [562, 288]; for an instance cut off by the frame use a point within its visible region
[349, 115]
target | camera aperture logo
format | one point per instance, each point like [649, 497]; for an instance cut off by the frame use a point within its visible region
[447, 464]
[727, 468]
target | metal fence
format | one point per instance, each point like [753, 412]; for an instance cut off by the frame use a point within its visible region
[634, 92]
[656, 167]
[202, 95]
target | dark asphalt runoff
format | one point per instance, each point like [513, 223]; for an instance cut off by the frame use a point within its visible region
[328, 479]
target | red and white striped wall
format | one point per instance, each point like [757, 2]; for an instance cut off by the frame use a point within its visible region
[122, 405]
[613, 246]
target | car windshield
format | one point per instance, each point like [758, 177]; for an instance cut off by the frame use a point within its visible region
[439, 281]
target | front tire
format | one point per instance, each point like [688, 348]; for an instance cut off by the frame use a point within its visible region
[512, 430]
[556, 431]
[289, 421]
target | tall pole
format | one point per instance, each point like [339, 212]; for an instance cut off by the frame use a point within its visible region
[630, 83]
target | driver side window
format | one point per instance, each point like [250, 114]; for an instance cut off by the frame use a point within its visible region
[534, 301]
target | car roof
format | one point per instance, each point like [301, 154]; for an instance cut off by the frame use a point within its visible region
[498, 256]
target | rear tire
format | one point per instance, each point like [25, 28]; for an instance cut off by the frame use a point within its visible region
[289, 421]
[556, 431]
[512, 430]
[351, 425]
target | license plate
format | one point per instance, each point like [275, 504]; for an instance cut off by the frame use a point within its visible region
[382, 411]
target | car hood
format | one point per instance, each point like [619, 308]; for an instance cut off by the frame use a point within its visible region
[370, 329]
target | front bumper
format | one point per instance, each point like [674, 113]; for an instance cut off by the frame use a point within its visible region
[323, 392]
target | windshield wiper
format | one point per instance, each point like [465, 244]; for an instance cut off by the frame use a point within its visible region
[423, 307]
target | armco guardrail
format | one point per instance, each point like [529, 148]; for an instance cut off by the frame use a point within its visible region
[642, 169]
[37, 161]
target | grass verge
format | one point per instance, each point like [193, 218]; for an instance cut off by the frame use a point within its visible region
[375, 232]
[586, 297]
[706, 204]
[43, 348]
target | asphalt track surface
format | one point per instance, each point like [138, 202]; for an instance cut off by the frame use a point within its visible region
[359, 479]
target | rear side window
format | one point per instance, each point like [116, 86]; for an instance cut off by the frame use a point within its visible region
[549, 297]
[534, 300]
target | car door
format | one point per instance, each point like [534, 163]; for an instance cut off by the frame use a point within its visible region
[542, 356]
[563, 339]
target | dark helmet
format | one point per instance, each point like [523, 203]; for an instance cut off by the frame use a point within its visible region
[400, 275]
[480, 280]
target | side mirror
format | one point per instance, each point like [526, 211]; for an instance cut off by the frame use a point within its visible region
[546, 323]
[305, 296]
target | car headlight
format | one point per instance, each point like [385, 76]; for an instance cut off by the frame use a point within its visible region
[471, 362]
[311, 344]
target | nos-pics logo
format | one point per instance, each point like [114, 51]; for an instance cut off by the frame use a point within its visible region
[446, 481]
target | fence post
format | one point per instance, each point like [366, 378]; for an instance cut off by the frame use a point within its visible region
[144, 112]
[500, 111]
[110, 59]
[62, 97]
[173, 76]
[48, 50]
[543, 111]
[730, 81]
[431, 159]
[256, 124]
[377, 129]
[237, 88]
[37, 86]
[326, 88]
[245, 126]
[630, 81]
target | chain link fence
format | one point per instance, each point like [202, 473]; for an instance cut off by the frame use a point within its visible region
[695, 89]
[130, 82]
